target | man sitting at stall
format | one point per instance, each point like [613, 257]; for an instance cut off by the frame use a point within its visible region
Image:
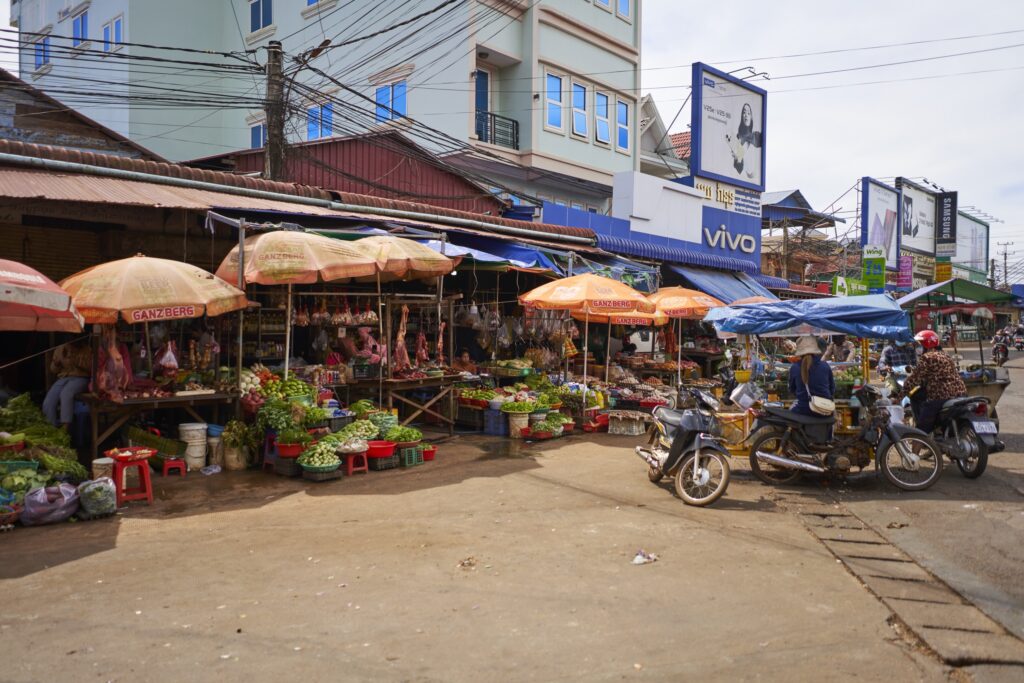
[72, 364]
[464, 362]
[840, 350]
[897, 354]
[810, 376]
[934, 380]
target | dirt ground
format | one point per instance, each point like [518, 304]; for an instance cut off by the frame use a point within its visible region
[513, 562]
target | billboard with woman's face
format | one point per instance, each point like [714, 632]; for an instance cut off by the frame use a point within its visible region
[879, 215]
[728, 129]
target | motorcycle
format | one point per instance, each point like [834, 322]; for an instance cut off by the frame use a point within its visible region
[791, 443]
[1000, 352]
[1018, 342]
[687, 444]
[966, 434]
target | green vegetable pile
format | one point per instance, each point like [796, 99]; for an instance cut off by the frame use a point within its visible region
[314, 416]
[320, 455]
[403, 435]
[293, 435]
[549, 398]
[22, 417]
[237, 434]
[276, 415]
[360, 429]
[98, 497]
[478, 394]
[519, 406]
[558, 418]
[58, 464]
[361, 408]
[22, 481]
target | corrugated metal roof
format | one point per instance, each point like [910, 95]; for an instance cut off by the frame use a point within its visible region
[73, 187]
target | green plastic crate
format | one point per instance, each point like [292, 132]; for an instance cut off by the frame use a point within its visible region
[410, 457]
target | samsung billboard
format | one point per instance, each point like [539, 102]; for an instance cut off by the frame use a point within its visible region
[728, 129]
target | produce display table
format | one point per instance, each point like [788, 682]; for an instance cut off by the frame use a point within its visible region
[119, 413]
[446, 384]
[705, 359]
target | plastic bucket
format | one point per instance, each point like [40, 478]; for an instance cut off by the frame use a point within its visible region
[214, 430]
[103, 467]
[192, 432]
[195, 455]
[517, 422]
[234, 459]
[215, 452]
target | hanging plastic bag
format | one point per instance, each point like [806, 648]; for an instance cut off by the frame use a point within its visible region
[504, 337]
[98, 497]
[49, 505]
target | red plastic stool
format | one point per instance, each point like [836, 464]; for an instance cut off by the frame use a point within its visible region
[351, 466]
[142, 492]
[175, 465]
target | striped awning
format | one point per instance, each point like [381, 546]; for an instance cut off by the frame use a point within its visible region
[771, 282]
[661, 252]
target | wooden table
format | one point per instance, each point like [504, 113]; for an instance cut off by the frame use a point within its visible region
[446, 384]
[119, 413]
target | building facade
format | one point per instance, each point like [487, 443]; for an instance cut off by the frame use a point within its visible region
[541, 97]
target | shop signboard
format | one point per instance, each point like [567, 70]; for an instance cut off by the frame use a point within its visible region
[880, 211]
[945, 224]
[905, 279]
[873, 262]
[971, 242]
[848, 286]
[917, 218]
[969, 274]
[943, 269]
[728, 120]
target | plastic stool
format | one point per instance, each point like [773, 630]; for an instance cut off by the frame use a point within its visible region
[351, 466]
[175, 465]
[142, 492]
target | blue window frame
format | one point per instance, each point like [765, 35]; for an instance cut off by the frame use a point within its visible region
[623, 8]
[320, 121]
[602, 126]
[42, 52]
[579, 109]
[112, 31]
[118, 29]
[391, 101]
[261, 14]
[607, 4]
[311, 2]
[553, 97]
[106, 37]
[80, 29]
[258, 136]
[622, 125]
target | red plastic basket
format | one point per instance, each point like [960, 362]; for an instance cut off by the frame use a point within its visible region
[380, 449]
[429, 453]
[13, 447]
[290, 450]
[130, 453]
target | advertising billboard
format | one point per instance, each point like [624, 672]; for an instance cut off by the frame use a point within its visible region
[879, 218]
[971, 243]
[945, 224]
[917, 220]
[727, 123]
[873, 268]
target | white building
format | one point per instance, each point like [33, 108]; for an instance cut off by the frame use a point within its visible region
[545, 92]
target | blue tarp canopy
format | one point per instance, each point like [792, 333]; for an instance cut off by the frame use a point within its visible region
[727, 287]
[874, 316]
[518, 255]
[449, 249]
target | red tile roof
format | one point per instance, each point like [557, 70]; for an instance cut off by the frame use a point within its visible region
[222, 178]
[681, 144]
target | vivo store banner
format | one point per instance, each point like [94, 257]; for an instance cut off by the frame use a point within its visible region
[880, 219]
[727, 123]
[917, 219]
[697, 214]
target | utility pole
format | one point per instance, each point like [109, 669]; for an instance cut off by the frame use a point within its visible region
[273, 163]
[992, 273]
[1006, 253]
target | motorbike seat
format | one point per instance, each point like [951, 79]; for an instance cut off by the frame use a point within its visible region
[960, 401]
[801, 419]
[670, 417]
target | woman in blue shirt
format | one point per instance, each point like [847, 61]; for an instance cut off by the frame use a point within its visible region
[810, 376]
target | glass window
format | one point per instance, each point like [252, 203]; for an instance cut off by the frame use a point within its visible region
[623, 8]
[383, 99]
[579, 109]
[313, 123]
[261, 14]
[554, 101]
[258, 136]
[118, 30]
[112, 35]
[622, 125]
[106, 37]
[320, 121]
[576, 205]
[602, 128]
[42, 52]
[80, 29]
[398, 98]
[391, 101]
[311, 2]
[607, 4]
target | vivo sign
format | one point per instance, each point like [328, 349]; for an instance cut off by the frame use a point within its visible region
[722, 239]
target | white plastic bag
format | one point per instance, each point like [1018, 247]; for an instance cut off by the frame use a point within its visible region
[50, 505]
[744, 395]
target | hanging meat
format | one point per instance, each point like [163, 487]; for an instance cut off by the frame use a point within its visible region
[440, 343]
[401, 353]
[422, 355]
[112, 373]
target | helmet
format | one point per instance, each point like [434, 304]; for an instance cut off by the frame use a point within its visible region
[927, 339]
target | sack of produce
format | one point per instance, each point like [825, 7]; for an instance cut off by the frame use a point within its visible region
[98, 496]
[50, 505]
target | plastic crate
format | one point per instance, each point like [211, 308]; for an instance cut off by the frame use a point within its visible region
[365, 371]
[338, 423]
[388, 463]
[287, 467]
[8, 466]
[323, 476]
[411, 456]
[626, 426]
[495, 423]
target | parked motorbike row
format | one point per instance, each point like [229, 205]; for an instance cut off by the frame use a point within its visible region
[686, 444]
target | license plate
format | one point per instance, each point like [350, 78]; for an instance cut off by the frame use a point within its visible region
[985, 427]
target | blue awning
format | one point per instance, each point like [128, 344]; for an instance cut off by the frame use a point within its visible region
[772, 282]
[751, 283]
[519, 254]
[449, 249]
[661, 252]
[727, 287]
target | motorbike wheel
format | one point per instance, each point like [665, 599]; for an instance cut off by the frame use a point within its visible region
[771, 442]
[712, 481]
[929, 463]
[974, 466]
[654, 475]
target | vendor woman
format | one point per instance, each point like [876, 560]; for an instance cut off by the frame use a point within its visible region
[72, 363]
[464, 362]
[810, 376]
[840, 350]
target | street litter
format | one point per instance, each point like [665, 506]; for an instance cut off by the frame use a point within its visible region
[468, 563]
[644, 557]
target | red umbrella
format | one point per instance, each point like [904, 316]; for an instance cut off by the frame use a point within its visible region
[32, 302]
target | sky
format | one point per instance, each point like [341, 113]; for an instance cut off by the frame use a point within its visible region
[962, 132]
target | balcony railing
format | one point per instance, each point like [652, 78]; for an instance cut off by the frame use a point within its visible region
[497, 130]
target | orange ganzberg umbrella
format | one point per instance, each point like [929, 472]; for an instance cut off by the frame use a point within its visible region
[588, 294]
[679, 302]
[143, 289]
[402, 259]
[292, 257]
